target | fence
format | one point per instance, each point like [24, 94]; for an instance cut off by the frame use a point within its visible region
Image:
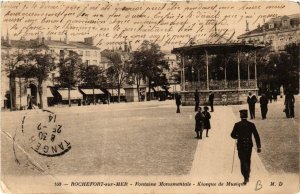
[221, 85]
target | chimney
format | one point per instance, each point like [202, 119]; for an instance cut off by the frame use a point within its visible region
[66, 38]
[247, 26]
[40, 38]
[89, 41]
[126, 47]
[264, 29]
[7, 38]
[129, 48]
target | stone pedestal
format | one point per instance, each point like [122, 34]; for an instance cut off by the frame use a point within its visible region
[131, 93]
[233, 96]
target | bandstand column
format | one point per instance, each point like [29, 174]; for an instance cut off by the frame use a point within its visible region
[248, 71]
[199, 83]
[255, 73]
[239, 76]
[207, 77]
[183, 73]
[225, 74]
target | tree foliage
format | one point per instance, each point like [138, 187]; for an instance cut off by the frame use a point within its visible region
[69, 69]
[148, 63]
[40, 66]
[119, 69]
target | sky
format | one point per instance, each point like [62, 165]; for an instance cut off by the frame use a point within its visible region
[170, 24]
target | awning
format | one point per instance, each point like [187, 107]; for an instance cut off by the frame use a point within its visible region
[114, 92]
[49, 93]
[159, 88]
[174, 88]
[74, 94]
[90, 91]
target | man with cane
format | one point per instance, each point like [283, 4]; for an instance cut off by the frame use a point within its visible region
[242, 131]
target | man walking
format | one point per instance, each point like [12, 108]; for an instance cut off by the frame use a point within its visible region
[242, 131]
[263, 106]
[251, 100]
[211, 101]
[178, 102]
[289, 104]
[197, 100]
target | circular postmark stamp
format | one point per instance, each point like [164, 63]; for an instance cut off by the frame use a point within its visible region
[41, 134]
[48, 140]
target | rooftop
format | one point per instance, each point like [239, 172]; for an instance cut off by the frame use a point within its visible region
[34, 43]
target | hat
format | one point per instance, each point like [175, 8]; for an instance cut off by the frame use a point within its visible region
[205, 108]
[244, 113]
[199, 108]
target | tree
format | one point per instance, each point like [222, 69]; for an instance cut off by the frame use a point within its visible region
[11, 61]
[92, 76]
[149, 62]
[42, 64]
[69, 69]
[293, 51]
[136, 70]
[118, 71]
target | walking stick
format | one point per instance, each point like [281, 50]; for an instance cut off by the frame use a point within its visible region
[233, 157]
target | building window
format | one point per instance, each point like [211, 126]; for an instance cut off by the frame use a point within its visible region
[87, 62]
[81, 53]
[87, 53]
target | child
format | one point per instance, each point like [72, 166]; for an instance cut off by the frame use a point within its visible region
[206, 122]
[224, 99]
[199, 122]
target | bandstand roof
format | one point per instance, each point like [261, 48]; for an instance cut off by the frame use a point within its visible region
[216, 48]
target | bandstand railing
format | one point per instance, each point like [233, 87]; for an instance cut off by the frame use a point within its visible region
[221, 85]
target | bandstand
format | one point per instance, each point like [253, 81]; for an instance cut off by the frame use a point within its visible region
[236, 89]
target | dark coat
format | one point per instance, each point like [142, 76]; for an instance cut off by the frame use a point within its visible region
[196, 96]
[206, 122]
[178, 99]
[211, 98]
[251, 100]
[242, 131]
[289, 100]
[199, 121]
[263, 101]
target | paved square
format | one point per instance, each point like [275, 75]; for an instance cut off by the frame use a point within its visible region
[117, 139]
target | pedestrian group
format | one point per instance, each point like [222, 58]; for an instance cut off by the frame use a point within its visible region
[242, 130]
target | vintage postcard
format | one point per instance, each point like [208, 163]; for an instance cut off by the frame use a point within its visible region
[150, 96]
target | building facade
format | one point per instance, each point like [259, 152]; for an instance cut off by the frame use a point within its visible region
[17, 93]
[277, 32]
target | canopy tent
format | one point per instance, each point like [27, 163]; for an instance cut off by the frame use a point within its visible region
[74, 94]
[49, 93]
[90, 91]
[174, 88]
[114, 92]
[158, 88]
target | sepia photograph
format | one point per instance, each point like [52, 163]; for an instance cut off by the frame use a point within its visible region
[150, 96]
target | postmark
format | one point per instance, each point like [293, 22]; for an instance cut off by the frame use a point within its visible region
[48, 138]
[41, 135]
